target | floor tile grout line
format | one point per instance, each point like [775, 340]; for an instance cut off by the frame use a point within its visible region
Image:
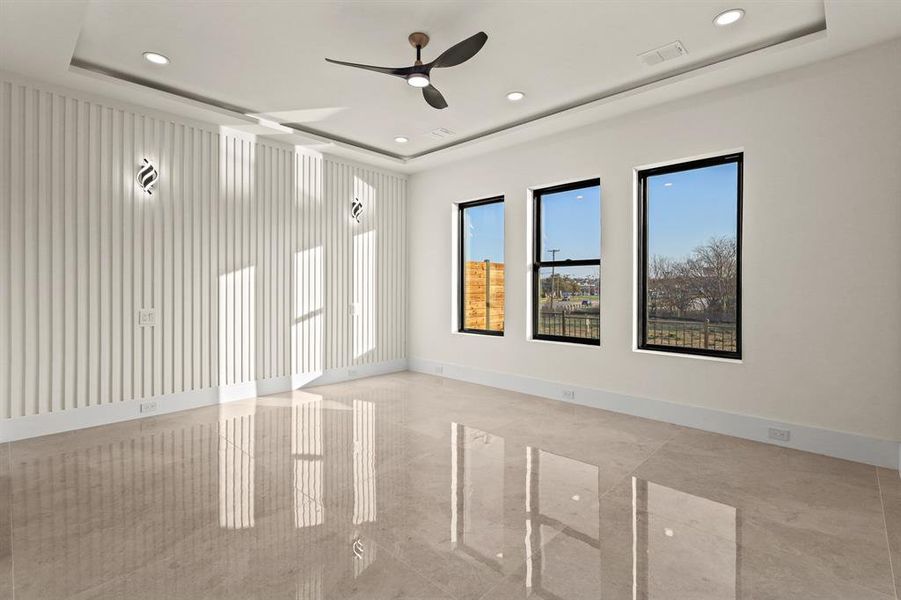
[653, 448]
[641, 464]
[234, 445]
[425, 577]
[888, 545]
[600, 496]
[879, 489]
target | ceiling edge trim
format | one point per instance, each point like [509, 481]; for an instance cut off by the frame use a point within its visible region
[809, 33]
[78, 65]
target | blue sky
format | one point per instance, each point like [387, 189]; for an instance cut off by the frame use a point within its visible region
[484, 227]
[695, 206]
[571, 223]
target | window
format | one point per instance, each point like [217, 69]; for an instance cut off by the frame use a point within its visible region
[481, 274]
[566, 272]
[689, 296]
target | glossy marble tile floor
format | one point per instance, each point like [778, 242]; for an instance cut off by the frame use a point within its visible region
[411, 486]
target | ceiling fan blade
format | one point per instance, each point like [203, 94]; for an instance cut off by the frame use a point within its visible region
[434, 97]
[461, 52]
[399, 71]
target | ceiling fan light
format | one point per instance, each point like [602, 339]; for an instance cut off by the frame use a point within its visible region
[419, 80]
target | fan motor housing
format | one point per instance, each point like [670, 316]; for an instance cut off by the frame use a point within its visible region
[419, 39]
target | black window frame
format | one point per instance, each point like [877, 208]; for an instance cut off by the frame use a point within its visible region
[461, 209]
[642, 322]
[538, 264]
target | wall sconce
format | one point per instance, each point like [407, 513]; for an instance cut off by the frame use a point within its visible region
[356, 209]
[147, 176]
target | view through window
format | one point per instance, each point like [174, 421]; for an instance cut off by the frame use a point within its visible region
[690, 250]
[482, 267]
[567, 263]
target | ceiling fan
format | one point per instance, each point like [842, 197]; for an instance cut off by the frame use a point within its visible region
[418, 74]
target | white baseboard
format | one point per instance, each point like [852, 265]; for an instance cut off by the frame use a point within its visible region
[849, 446]
[36, 425]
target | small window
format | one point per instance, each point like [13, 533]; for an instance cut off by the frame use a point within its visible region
[689, 296]
[481, 274]
[566, 272]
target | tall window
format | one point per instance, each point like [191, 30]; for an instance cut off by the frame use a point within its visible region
[566, 285]
[690, 257]
[481, 275]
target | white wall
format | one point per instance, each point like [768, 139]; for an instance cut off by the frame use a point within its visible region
[822, 242]
[246, 249]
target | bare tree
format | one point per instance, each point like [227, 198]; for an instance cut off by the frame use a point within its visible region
[712, 268]
[670, 286]
[705, 282]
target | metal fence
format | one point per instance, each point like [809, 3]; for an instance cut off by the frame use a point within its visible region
[692, 334]
[569, 324]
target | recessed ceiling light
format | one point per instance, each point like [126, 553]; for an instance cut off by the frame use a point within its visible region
[578, 197]
[669, 532]
[515, 96]
[728, 17]
[401, 139]
[155, 58]
[668, 184]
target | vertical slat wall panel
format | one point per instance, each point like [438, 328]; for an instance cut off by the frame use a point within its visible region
[5, 247]
[246, 249]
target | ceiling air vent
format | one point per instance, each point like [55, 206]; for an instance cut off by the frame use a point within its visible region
[658, 55]
[441, 133]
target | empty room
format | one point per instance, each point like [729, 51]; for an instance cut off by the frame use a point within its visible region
[450, 300]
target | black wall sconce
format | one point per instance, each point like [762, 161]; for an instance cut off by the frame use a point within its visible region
[147, 176]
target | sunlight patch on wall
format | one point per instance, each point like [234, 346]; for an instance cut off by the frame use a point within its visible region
[237, 327]
[307, 326]
[364, 293]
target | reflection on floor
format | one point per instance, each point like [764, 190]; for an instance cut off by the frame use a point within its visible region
[410, 486]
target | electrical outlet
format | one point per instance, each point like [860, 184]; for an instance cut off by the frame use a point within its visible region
[353, 309]
[148, 407]
[351, 372]
[783, 435]
[439, 369]
[146, 317]
[569, 394]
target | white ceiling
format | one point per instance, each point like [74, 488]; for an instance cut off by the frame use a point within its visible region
[268, 57]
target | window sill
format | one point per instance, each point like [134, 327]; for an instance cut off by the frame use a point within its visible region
[567, 344]
[734, 361]
[479, 335]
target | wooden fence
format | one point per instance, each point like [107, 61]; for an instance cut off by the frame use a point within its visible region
[483, 298]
